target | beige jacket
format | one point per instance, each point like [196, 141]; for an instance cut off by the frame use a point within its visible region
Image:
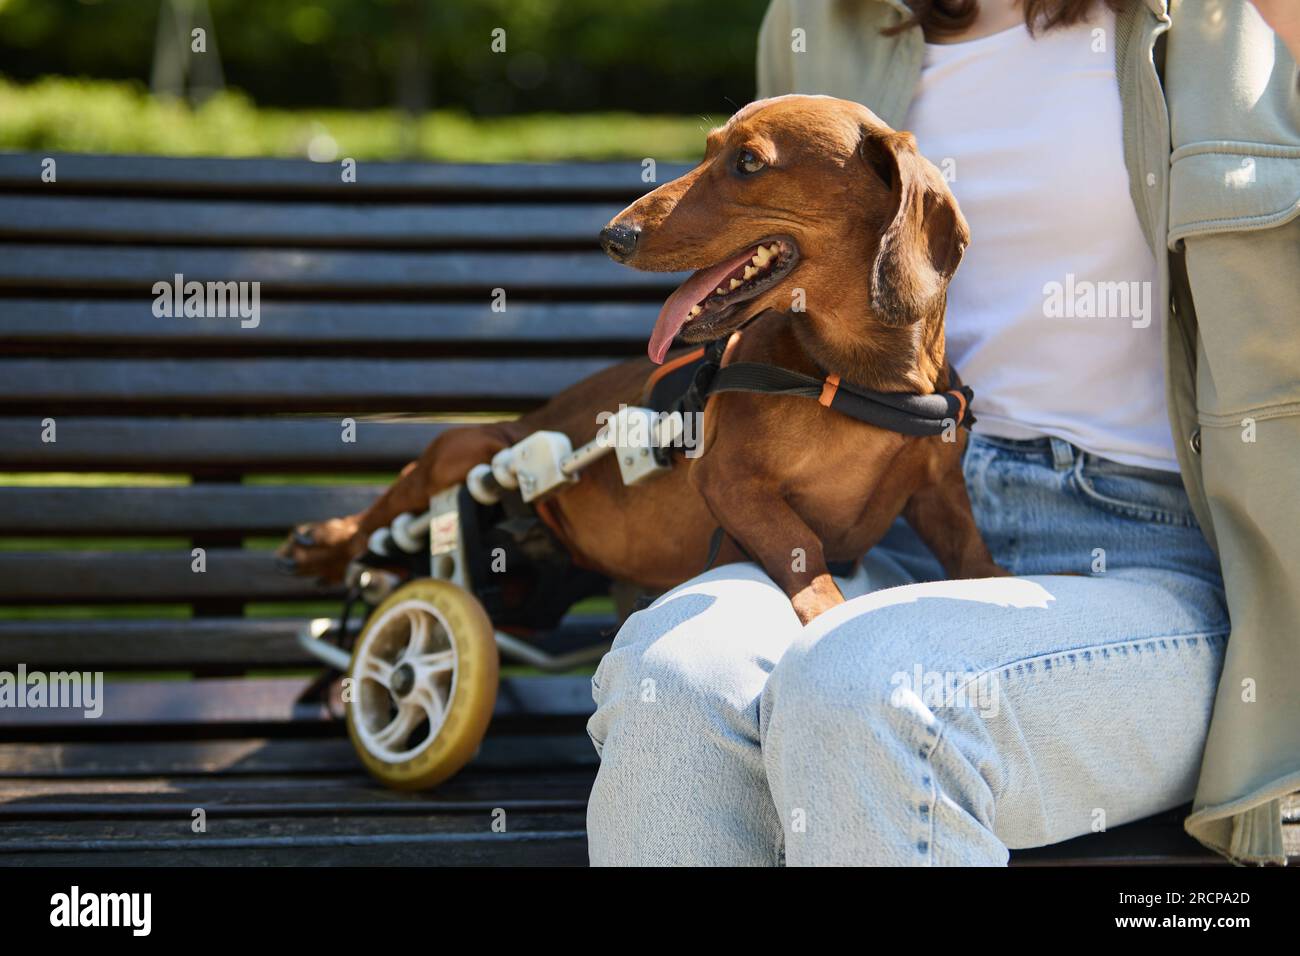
[1211, 103]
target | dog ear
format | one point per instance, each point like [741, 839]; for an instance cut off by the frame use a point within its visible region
[924, 237]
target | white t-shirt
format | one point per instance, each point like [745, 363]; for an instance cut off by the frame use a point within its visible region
[1051, 317]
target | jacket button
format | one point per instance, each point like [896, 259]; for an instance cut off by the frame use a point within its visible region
[1151, 179]
[1195, 441]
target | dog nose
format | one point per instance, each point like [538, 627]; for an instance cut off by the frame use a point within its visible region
[619, 241]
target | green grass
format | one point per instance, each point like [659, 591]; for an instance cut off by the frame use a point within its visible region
[89, 479]
[78, 612]
[157, 543]
[63, 114]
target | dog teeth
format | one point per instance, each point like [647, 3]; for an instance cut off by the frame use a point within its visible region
[694, 312]
[760, 262]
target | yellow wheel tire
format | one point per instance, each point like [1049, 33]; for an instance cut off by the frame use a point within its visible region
[424, 678]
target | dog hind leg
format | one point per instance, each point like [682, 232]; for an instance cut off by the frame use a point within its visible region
[323, 549]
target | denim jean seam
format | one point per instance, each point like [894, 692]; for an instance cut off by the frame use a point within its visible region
[932, 794]
[1005, 667]
[595, 690]
[1132, 509]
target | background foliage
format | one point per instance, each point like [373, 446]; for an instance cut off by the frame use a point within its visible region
[658, 56]
[56, 114]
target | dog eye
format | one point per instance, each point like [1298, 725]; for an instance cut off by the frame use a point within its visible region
[747, 163]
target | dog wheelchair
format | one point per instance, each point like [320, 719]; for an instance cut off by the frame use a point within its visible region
[445, 595]
[480, 575]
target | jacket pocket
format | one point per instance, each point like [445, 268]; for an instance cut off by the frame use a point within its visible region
[1229, 186]
[1245, 291]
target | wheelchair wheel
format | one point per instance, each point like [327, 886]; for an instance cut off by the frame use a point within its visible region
[423, 684]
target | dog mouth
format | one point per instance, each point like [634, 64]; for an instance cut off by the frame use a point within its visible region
[711, 298]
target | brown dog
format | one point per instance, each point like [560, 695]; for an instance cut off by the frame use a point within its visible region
[799, 200]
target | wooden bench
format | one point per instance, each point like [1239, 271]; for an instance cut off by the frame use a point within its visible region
[376, 305]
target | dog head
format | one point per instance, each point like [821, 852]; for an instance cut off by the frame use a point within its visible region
[804, 204]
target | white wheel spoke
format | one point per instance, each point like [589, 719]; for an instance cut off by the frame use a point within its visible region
[377, 670]
[394, 735]
[429, 698]
[419, 641]
[439, 662]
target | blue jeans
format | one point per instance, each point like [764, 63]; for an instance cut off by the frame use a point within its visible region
[924, 722]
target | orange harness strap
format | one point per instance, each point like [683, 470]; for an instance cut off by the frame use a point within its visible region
[829, 388]
[961, 403]
[686, 359]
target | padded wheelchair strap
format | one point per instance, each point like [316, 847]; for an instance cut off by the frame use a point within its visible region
[904, 412]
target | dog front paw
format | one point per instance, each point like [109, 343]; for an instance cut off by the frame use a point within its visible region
[819, 596]
[322, 549]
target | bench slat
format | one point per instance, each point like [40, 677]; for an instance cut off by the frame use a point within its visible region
[554, 325]
[211, 445]
[468, 792]
[71, 577]
[234, 222]
[192, 509]
[354, 385]
[180, 644]
[240, 701]
[74, 760]
[161, 174]
[533, 837]
[136, 269]
[133, 643]
[551, 849]
[263, 702]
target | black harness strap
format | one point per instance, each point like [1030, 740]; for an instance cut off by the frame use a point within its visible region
[903, 412]
[696, 394]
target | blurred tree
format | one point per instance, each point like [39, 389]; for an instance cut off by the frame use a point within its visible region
[185, 54]
[561, 55]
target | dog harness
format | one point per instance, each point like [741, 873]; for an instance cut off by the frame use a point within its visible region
[685, 384]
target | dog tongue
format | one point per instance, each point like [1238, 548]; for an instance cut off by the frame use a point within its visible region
[691, 292]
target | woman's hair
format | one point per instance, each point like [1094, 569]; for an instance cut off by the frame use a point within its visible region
[940, 17]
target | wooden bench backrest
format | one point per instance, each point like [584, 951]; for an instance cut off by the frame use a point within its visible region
[376, 304]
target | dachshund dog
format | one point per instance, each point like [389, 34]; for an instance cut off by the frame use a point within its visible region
[824, 243]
